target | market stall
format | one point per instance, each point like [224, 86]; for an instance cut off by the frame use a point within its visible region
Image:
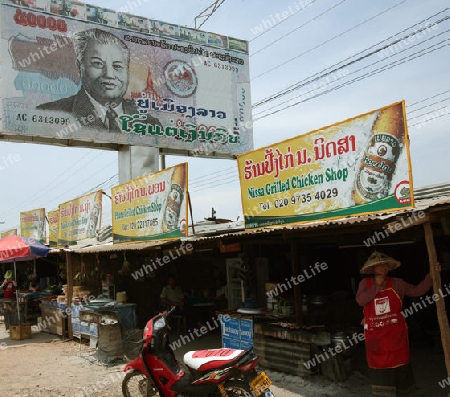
[309, 302]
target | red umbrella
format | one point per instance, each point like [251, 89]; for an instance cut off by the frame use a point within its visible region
[20, 249]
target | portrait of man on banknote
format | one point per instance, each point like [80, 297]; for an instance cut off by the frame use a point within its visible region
[103, 61]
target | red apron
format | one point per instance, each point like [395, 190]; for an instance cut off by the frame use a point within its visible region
[9, 292]
[385, 330]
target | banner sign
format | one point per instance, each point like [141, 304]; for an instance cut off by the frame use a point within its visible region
[73, 71]
[80, 218]
[53, 227]
[11, 232]
[151, 207]
[32, 224]
[358, 166]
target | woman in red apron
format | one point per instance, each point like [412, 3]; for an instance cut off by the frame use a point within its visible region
[8, 286]
[9, 292]
[385, 330]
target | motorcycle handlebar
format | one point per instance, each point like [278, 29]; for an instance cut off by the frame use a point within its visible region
[169, 312]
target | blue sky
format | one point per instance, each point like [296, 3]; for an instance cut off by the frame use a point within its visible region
[305, 37]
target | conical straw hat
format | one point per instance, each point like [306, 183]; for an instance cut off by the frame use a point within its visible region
[377, 258]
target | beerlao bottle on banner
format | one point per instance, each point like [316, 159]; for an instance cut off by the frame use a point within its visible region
[95, 216]
[174, 199]
[373, 179]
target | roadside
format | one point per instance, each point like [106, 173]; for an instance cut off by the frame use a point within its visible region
[48, 366]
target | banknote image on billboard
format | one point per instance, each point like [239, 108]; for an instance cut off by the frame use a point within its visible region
[10, 232]
[80, 218]
[53, 227]
[358, 166]
[151, 207]
[32, 224]
[74, 72]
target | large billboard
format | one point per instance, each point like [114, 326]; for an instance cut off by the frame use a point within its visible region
[80, 218]
[358, 166]
[32, 224]
[73, 72]
[152, 207]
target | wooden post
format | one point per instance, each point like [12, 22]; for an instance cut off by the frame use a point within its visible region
[69, 292]
[295, 273]
[437, 287]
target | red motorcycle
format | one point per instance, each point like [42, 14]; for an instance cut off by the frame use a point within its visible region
[208, 373]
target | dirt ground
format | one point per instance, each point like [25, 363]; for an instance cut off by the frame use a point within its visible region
[47, 366]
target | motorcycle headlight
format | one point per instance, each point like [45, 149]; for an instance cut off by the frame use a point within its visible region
[160, 323]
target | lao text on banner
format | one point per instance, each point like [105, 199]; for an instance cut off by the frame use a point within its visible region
[32, 224]
[80, 218]
[151, 207]
[99, 76]
[361, 165]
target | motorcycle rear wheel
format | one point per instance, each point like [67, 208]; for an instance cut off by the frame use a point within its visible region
[238, 388]
[136, 384]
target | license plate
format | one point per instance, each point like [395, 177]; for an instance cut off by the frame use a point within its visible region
[260, 383]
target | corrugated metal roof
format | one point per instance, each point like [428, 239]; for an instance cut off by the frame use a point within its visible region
[432, 191]
[110, 247]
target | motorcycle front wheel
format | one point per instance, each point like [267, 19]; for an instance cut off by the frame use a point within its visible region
[136, 384]
[238, 388]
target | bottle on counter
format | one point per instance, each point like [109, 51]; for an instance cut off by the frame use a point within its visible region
[373, 179]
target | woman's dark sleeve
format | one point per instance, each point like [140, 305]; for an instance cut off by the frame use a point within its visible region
[365, 295]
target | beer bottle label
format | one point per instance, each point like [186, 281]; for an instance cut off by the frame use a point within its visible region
[378, 166]
[173, 207]
[93, 220]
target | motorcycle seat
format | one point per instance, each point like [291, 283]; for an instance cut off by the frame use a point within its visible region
[206, 360]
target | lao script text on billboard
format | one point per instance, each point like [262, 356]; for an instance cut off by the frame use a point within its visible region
[32, 224]
[358, 166]
[151, 207]
[98, 76]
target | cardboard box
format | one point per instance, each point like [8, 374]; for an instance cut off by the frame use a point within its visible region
[21, 331]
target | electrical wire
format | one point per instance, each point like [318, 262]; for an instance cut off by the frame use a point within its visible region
[44, 189]
[329, 40]
[284, 20]
[431, 97]
[376, 71]
[344, 84]
[299, 27]
[432, 111]
[75, 186]
[429, 120]
[361, 69]
[214, 7]
[431, 104]
[334, 69]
